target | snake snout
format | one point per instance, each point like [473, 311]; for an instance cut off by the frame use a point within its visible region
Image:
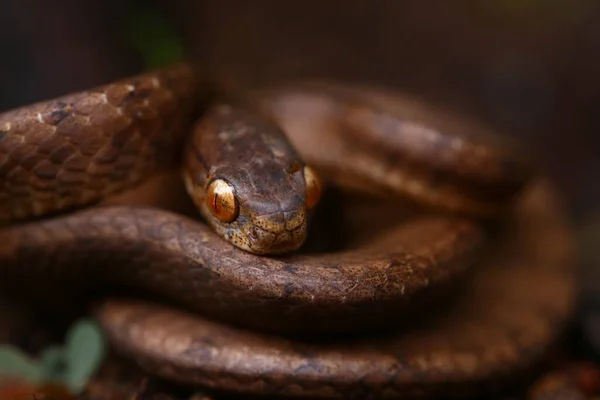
[279, 232]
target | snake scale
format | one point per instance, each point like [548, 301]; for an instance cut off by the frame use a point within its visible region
[454, 275]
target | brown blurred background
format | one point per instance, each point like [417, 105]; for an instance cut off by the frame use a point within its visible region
[530, 68]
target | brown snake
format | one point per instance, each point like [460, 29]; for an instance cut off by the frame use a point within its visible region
[257, 192]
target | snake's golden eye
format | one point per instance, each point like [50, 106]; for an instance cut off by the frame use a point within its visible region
[221, 200]
[313, 187]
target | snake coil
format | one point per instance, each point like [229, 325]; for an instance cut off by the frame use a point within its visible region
[445, 230]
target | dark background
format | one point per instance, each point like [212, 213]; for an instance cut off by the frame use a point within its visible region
[528, 67]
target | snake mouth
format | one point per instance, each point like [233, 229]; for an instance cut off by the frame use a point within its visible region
[276, 232]
[263, 242]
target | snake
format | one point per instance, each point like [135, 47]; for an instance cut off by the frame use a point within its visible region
[234, 303]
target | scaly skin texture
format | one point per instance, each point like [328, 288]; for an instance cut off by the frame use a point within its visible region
[74, 150]
[377, 141]
[63, 154]
[498, 326]
[168, 254]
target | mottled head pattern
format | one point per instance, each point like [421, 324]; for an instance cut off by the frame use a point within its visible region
[248, 181]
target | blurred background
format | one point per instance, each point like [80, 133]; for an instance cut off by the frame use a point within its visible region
[529, 68]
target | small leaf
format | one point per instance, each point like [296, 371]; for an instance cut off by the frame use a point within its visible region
[15, 363]
[154, 37]
[54, 364]
[85, 350]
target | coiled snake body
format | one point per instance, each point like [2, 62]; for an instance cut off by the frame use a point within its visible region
[238, 287]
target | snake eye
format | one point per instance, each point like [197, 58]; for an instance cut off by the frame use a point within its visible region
[313, 187]
[221, 200]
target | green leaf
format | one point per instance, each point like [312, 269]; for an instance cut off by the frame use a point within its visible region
[154, 37]
[15, 363]
[54, 364]
[85, 351]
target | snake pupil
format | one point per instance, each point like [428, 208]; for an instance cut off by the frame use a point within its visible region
[221, 200]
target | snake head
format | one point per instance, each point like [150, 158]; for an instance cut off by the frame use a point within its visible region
[248, 182]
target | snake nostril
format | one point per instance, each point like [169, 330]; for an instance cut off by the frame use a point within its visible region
[253, 234]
